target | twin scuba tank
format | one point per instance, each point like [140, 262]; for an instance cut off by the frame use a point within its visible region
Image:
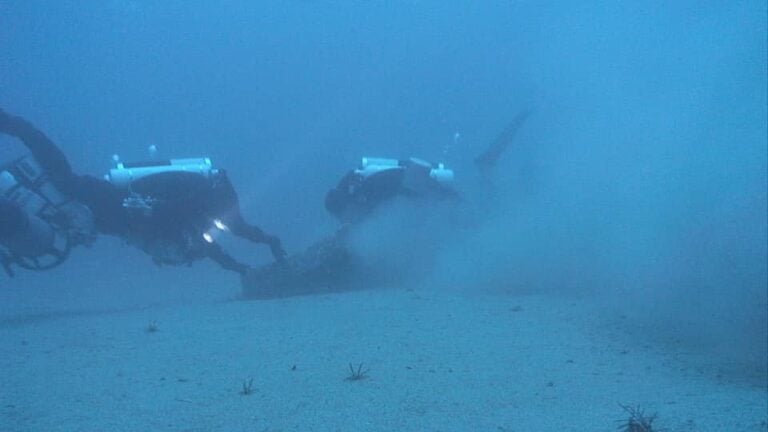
[418, 174]
[141, 205]
[42, 223]
[124, 174]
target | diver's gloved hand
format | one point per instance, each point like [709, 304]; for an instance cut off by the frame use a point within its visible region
[245, 270]
[277, 250]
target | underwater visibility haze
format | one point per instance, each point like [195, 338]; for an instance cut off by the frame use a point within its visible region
[604, 265]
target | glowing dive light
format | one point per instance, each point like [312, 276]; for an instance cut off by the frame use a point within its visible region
[220, 225]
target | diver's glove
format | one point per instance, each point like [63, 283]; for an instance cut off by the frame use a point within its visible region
[244, 270]
[277, 250]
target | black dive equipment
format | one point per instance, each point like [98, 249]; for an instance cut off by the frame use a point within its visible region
[126, 175]
[38, 231]
[150, 187]
[437, 172]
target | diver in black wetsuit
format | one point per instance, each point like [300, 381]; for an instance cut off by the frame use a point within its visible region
[377, 180]
[333, 262]
[169, 210]
[39, 225]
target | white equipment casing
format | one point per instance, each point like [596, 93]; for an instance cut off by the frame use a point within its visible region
[442, 175]
[125, 173]
[370, 166]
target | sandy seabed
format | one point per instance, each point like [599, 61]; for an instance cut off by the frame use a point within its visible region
[435, 361]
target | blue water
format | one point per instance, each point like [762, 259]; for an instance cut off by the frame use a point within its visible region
[639, 180]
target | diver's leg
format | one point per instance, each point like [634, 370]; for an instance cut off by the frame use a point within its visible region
[50, 158]
[239, 227]
[103, 199]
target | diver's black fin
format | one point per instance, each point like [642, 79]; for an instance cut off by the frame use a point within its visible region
[488, 159]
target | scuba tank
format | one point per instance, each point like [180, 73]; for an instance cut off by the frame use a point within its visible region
[437, 172]
[123, 174]
[442, 175]
[23, 233]
[370, 166]
[41, 225]
[152, 188]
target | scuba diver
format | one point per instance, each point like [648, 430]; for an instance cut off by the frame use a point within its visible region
[335, 262]
[377, 180]
[331, 264]
[173, 210]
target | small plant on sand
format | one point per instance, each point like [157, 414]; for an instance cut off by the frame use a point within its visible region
[247, 387]
[357, 374]
[637, 421]
[152, 327]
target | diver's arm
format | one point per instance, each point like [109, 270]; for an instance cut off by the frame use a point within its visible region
[239, 227]
[216, 253]
[50, 157]
[228, 205]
